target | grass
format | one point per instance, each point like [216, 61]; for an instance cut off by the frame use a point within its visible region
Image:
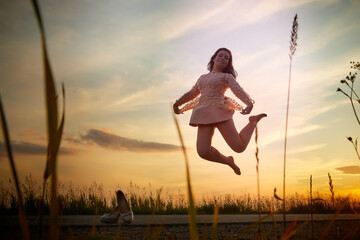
[349, 82]
[18, 198]
[293, 44]
[191, 200]
[85, 200]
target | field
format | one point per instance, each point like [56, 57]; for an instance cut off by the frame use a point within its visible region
[90, 200]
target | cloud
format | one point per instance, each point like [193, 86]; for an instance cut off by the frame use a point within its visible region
[22, 147]
[349, 169]
[309, 148]
[116, 142]
[215, 16]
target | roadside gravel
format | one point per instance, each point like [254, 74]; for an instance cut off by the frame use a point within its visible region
[340, 229]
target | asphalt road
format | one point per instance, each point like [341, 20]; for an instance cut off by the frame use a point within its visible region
[144, 220]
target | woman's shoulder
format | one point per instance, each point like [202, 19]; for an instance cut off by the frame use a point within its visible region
[229, 77]
[204, 75]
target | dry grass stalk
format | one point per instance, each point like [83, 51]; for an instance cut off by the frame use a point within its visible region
[215, 222]
[291, 231]
[293, 44]
[331, 188]
[351, 78]
[355, 145]
[276, 196]
[311, 209]
[274, 223]
[294, 37]
[355, 65]
[22, 214]
[192, 211]
[258, 179]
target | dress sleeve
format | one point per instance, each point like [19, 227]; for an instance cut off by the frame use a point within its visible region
[190, 95]
[238, 90]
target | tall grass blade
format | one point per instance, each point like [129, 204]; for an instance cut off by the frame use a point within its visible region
[293, 44]
[192, 211]
[251, 226]
[51, 99]
[274, 223]
[258, 178]
[332, 221]
[311, 209]
[157, 231]
[289, 230]
[22, 214]
[294, 230]
[54, 133]
[215, 222]
[148, 226]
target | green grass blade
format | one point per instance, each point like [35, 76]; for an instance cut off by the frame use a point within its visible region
[50, 96]
[192, 210]
[22, 214]
[54, 133]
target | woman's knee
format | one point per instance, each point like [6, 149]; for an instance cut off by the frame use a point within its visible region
[203, 152]
[238, 149]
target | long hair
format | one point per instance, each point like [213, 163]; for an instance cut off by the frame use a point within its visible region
[229, 69]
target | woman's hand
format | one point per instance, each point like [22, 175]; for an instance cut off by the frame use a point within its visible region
[248, 109]
[176, 108]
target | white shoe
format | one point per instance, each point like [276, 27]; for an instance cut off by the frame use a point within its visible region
[125, 209]
[128, 217]
[108, 218]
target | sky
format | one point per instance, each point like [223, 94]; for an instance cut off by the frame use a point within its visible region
[123, 64]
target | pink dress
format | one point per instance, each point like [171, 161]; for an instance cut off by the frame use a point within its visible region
[212, 106]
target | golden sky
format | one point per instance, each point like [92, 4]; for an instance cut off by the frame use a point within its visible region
[124, 62]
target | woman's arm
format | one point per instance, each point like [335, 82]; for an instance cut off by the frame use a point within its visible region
[240, 93]
[238, 90]
[190, 95]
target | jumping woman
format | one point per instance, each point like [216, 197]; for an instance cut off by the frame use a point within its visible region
[214, 110]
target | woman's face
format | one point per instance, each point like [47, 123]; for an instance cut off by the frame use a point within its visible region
[221, 60]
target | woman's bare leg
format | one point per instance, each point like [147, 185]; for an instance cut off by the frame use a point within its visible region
[206, 151]
[238, 141]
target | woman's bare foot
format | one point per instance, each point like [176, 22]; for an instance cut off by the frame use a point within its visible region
[255, 119]
[232, 164]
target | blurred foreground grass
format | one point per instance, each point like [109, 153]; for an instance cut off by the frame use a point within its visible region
[82, 200]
